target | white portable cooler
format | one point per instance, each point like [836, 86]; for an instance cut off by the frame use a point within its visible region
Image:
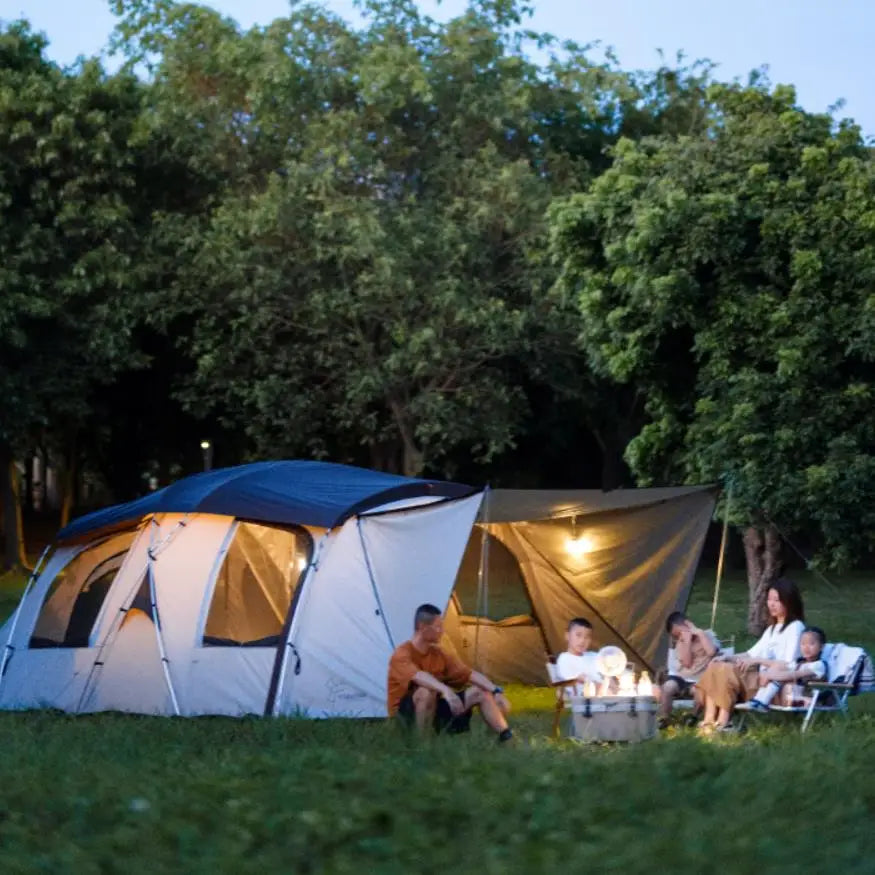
[613, 718]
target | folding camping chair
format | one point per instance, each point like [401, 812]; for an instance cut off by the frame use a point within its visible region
[563, 690]
[850, 673]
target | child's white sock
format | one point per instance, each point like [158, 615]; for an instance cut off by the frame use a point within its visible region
[767, 693]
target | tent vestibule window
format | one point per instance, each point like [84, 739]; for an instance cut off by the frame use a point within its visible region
[255, 585]
[76, 595]
[507, 593]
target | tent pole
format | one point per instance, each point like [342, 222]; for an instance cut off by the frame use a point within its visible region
[370, 570]
[106, 643]
[7, 650]
[280, 666]
[156, 619]
[482, 577]
[721, 558]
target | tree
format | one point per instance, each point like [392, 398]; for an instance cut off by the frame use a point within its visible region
[728, 276]
[353, 162]
[67, 179]
[364, 282]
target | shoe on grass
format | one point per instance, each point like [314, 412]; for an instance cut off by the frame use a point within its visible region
[758, 706]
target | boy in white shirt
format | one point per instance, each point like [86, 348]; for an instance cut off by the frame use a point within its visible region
[810, 666]
[579, 662]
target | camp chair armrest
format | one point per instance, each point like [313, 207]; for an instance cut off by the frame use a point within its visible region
[828, 685]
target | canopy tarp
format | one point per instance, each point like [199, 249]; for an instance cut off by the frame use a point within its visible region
[525, 505]
[292, 492]
[642, 548]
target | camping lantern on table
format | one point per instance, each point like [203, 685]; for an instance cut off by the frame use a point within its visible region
[627, 715]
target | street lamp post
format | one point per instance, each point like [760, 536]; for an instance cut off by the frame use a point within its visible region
[207, 449]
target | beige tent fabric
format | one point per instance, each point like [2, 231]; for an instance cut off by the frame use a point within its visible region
[523, 505]
[512, 649]
[641, 550]
[256, 582]
[639, 569]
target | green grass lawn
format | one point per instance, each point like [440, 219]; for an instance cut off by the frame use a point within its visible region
[113, 793]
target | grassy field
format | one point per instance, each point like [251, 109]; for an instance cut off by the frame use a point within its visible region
[112, 793]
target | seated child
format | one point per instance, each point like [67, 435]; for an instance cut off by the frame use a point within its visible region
[691, 650]
[808, 667]
[579, 662]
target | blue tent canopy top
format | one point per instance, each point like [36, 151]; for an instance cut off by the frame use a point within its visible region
[292, 492]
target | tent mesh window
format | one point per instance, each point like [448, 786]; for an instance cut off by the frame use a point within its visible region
[76, 595]
[506, 594]
[255, 585]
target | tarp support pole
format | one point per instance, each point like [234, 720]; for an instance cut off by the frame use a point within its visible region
[7, 649]
[482, 577]
[722, 557]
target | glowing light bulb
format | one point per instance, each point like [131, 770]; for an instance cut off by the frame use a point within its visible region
[579, 546]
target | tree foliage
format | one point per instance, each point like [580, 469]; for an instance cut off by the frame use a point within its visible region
[408, 244]
[374, 265]
[729, 276]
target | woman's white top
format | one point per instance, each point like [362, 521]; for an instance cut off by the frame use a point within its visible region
[779, 642]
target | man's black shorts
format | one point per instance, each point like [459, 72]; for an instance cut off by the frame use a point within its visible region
[444, 721]
[685, 687]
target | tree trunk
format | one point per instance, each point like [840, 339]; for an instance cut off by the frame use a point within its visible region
[386, 456]
[613, 434]
[28, 480]
[414, 461]
[413, 457]
[14, 553]
[68, 484]
[615, 471]
[762, 551]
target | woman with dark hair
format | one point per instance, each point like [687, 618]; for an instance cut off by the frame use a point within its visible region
[732, 679]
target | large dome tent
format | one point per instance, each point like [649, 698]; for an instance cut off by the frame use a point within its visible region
[177, 603]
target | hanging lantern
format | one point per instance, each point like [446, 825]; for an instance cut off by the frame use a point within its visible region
[578, 544]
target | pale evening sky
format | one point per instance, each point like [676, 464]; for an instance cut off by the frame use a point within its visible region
[823, 47]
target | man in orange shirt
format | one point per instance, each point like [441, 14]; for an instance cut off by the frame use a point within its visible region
[422, 678]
